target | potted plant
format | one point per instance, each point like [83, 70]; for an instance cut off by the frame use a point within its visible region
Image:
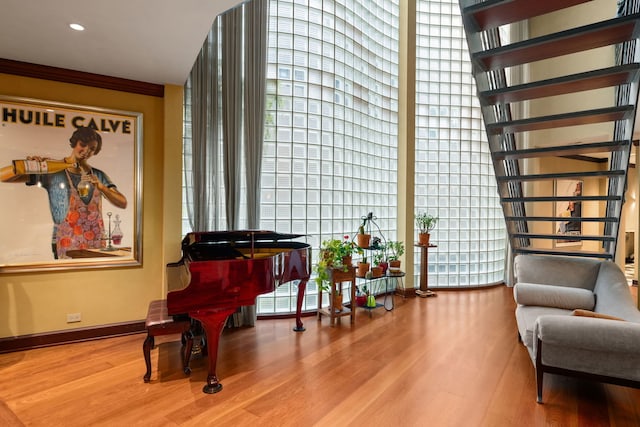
[338, 252]
[425, 223]
[346, 249]
[376, 271]
[336, 301]
[321, 269]
[379, 262]
[396, 250]
[361, 296]
[367, 299]
[363, 267]
[362, 238]
[376, 244]
[334, 253]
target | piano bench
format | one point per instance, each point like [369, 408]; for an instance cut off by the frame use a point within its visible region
[159, 322]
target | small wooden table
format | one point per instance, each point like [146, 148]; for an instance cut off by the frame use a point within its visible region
[424, 291]
[337, 278]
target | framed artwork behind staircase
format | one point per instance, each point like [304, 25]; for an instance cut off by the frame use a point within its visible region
[568, 231]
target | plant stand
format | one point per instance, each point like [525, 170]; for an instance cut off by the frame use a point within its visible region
[391, 291]
[424, 291]
[339, 277]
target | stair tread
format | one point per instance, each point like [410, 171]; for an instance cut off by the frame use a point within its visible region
[493, 13]
[560, 218]
[490, 14]
[561, 199]
[557, 236]
[595, 79]
[564, 150]
[604, 33]
[589, 254]
[583, 117]
[563, 175]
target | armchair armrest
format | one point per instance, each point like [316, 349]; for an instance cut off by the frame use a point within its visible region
[599, 349]
[589, 333]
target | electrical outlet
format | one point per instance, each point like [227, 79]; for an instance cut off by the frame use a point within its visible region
[74, 317]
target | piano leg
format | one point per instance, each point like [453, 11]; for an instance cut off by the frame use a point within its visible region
[213, 323]
[302, 286]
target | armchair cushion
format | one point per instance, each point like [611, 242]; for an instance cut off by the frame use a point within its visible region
[554, 296]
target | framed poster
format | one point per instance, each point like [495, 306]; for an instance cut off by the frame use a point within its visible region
[568, 230]
[71, 185]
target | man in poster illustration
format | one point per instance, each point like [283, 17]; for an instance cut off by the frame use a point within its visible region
[75, 190]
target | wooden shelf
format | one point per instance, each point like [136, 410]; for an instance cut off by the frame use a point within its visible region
[326, 311]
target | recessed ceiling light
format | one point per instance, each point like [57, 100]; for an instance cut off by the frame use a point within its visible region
[77, 27]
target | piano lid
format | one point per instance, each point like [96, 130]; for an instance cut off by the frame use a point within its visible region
[235, 236]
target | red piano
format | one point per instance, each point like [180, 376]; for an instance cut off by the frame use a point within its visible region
[224, 270]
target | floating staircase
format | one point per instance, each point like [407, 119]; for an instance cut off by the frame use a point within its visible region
[560, 144]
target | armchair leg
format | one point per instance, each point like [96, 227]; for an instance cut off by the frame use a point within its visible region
[539, 375]
[539, 371]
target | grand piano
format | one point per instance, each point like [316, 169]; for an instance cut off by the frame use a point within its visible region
[223, 270]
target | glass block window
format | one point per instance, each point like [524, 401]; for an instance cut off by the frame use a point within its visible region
[454, 173]
[331, 129]
[330, 153]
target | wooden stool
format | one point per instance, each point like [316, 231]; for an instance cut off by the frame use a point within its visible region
[160, 323]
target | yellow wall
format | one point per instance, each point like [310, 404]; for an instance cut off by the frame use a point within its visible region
[591, 187]
[583, 61]
[578, 62]
[32, 303]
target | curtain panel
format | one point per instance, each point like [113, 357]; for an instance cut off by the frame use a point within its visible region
[226, 91]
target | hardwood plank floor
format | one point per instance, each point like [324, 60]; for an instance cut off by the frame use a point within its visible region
[453, 360]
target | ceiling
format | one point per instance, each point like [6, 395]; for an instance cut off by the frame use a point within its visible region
[154, 41]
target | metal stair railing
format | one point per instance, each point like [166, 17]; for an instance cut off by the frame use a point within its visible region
[490, 59]
[626, 94]
[501, 111]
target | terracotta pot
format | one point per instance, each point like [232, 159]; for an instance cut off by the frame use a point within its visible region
[336, 302]
[363, 240]
[347, 260]
[362, 269]
[377, 271]
[384, 265]
[395, 264]
[423, 239]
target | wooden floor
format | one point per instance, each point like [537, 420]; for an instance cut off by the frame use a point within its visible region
[453, 360]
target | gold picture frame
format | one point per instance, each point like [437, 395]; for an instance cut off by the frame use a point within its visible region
[69, 203]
